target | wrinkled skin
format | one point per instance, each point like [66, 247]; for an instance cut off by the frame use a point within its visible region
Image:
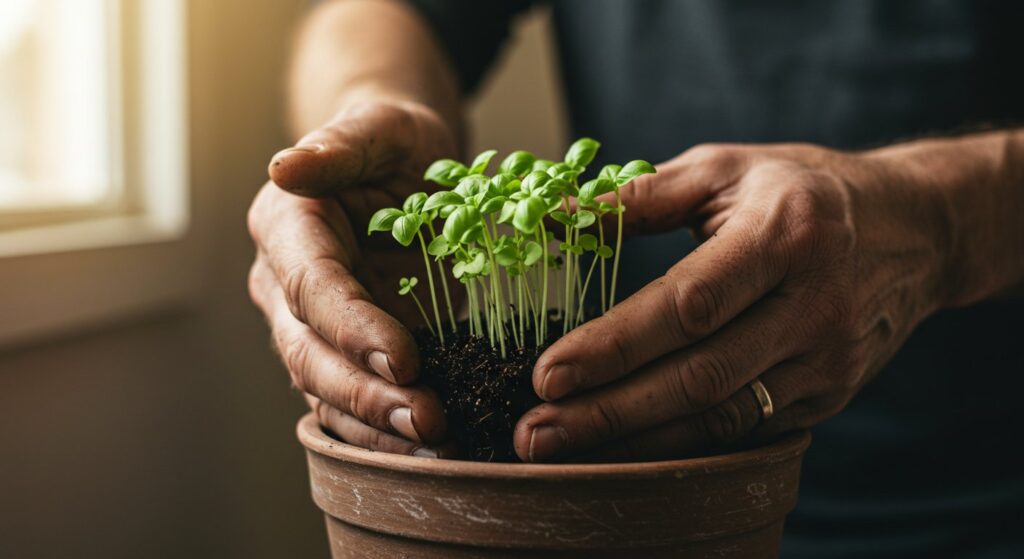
[329, 291]
[810, 280]
[816, 268]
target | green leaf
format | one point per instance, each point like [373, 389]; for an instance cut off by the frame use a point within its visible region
[445, 172]
[505, 183]
[459, 269]
[518, 163]
[476, 266]
[532, 253]
[604, 207]
[472, 185]
[583, 219]
[542, 165]
[588, 241]
[481, 162]
[604, 251]
[414, 203]
[493, 204]
[558, 169]
[561, 217]
[460, 225]
[506, 256]
[549, 236]
[441, 199]
[632, 170]
[508, 210]
[581, 153]
[406, 227]
[555, 187]
[609, 172]
[568, 176]
[594, 188]
[535, 180]
[439, 247]
[529, 212]
[384, 220]
[564, 246]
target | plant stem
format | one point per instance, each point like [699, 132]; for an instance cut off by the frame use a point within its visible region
[430, 280]
[422, 312]
[604, 295]
[586, 285]
[496, 289]
[544, 288]
[618, 247]
[444, 282]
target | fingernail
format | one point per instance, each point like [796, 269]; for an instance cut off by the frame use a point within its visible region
[400, 420]
[560, 380]
[546, 441]
[305, 148]
[424, 453]
[378, 361]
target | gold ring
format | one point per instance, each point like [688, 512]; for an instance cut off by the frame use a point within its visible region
[763, 399]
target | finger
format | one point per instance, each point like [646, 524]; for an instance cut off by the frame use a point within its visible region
[357, 433]
[695, 298]
[305, 243]
[682, 383]
[361, 144]
[317, 368]
[681, 189]
[719, 426]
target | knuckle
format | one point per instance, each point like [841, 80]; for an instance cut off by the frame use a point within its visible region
[296, 354]
[301, 281]
[724, 423]
[696, 304]
[713, 154]
[701, 381]
[605, 419]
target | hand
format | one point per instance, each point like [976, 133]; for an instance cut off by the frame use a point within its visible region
[816, 268]
[329, 293]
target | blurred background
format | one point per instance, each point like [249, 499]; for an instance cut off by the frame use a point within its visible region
[142, 413]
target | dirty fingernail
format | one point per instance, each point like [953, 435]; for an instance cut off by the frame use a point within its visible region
[560, 380]
[401, 421]
[425, 453]
[380, 364]
[305, 148]
[546, 441]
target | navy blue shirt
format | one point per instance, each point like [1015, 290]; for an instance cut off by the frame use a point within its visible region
[924, 462]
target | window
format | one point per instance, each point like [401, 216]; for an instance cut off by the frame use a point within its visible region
[81, 82]
[92, 156]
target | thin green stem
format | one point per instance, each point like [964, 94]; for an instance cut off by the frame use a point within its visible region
[604, 294]
[586, 285]
[496, 289]
[444, 282]
[430, 280]
[422, 312]
[544, 288]
[618, 248]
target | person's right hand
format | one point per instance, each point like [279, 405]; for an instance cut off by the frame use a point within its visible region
[329, 291]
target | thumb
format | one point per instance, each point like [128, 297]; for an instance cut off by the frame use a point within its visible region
[682, 191]
[364, 143]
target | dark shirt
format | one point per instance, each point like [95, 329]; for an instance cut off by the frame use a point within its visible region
[924, 462]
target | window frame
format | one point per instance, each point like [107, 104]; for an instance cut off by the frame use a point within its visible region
[76, 266]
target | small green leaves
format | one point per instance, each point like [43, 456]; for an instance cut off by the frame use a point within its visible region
[562, 217]
[532, 252]
[441, 199]
[632, 170]
[518, 163]
[492, 205]
[583, 219]
[462, 225]
[609, 172]
[384, 220]
[581, 153]
[439, 247]
[542, 164]
[405, 228]
[604, 251]
[529, 212]
[405, 285]
[414, 203]
[446, 172]
[588, 241]
[593, 189]
[481, 162]
[535, 180]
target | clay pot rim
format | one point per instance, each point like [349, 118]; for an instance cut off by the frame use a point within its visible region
[316, 440]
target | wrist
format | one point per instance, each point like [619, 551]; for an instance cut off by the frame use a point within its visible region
[967, 195]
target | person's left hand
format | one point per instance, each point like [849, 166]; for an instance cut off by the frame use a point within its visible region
[817, 266]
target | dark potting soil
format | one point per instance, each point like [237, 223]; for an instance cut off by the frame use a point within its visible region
[483, 394]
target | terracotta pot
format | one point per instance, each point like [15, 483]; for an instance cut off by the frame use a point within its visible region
[382, 505]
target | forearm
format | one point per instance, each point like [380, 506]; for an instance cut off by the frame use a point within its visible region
[357, 50]
[978, 181]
